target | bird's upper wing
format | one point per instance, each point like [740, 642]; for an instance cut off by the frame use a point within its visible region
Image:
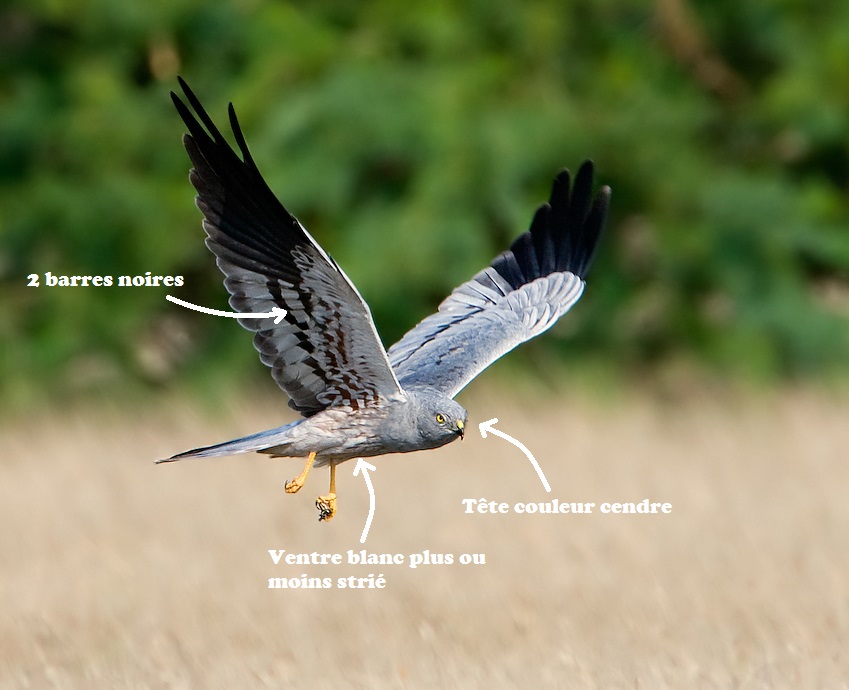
[523, 292]
[326, 351]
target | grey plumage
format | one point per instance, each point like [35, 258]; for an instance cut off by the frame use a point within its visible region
[357, 400]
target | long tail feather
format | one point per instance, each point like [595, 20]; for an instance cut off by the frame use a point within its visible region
[247, 444]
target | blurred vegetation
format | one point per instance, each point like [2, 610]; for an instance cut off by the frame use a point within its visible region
[414, 141]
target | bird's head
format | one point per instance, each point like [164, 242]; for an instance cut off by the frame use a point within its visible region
[440, 420]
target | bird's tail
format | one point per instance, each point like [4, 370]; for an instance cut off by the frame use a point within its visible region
[254, 443]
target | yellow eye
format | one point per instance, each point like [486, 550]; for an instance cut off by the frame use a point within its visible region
[440, 418]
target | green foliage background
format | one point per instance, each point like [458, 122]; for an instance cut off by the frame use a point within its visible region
[414, 141]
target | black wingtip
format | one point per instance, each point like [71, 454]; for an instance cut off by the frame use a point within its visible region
[240, 137]
[211, 132]
[594, 226]
[564, 233]
[577, 219]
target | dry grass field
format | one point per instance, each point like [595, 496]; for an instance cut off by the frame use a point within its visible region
[120, 574]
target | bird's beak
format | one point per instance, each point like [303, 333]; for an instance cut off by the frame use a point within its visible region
[461, 429]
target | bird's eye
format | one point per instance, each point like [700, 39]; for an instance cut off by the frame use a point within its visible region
[440, 418]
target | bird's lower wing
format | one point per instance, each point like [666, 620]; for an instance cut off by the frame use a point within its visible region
[326, 351]
[475, 326]
[522, 294]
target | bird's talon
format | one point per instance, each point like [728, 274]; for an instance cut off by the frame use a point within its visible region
[293, 486]
[326, 507]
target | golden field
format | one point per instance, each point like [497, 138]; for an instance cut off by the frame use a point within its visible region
[121, 574]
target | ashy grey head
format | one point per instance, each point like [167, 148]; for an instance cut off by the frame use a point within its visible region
[439, 420]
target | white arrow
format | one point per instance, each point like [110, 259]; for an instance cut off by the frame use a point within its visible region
[276, 313]
[488, 427]
[364, 467]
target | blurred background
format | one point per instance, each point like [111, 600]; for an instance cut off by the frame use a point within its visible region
[705, 366]
[419, 139]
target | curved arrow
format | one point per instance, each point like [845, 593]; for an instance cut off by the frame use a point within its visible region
[364, 467]
[488, 427]
[276, 313]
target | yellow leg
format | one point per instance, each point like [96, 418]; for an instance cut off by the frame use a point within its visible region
[294, 486]
[327, 504]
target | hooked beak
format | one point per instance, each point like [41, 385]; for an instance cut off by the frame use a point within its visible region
[461, 429]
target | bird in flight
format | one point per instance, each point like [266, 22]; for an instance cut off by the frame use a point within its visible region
[356, 398]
